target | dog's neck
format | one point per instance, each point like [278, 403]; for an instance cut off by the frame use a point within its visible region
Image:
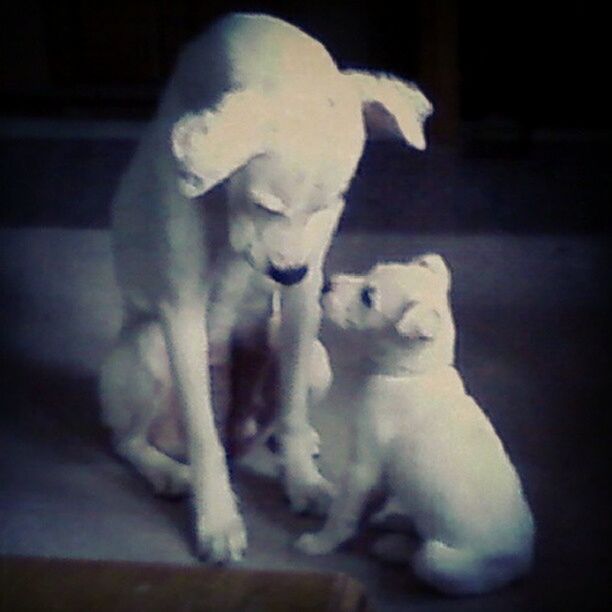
[412, 358]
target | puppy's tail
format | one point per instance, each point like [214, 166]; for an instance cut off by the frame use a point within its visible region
[463, 571]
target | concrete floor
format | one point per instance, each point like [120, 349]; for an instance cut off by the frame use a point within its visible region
[531, 314]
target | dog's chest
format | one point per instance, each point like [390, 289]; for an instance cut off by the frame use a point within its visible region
[242, 304]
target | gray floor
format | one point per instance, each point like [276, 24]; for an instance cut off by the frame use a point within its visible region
[532, 321]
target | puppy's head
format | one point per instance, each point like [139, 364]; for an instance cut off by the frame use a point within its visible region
[405, 303]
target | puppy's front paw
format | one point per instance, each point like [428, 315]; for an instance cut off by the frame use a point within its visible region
[222, 539]
[315, 544]
[309, 494]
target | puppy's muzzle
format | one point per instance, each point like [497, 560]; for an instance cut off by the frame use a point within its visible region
[287, 276]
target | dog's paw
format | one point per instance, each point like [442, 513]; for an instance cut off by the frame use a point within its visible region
[309, 495]
[222, 540]
[315, 544]
[171, 482]
[306, 489]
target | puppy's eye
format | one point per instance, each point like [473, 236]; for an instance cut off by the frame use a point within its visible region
[367, 297]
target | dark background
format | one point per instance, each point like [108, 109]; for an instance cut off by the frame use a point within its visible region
[519, 141]
[539, 63]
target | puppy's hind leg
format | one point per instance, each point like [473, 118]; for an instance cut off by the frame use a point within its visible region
[462, 571]
[135, 392]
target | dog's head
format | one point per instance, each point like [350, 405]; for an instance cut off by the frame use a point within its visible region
[289, 157]
[282, 213]
[405, 304]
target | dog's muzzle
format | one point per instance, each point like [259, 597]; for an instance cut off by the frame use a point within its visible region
[287, 276]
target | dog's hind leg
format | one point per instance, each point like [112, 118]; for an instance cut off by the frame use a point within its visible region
[168, 477]
[136, 395]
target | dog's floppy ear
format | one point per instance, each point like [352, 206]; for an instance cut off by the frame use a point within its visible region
[391, 107]
[212, 144]
[419, 322]
[436, 264]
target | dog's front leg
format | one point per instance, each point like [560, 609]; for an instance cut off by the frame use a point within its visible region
[300, 317]
[220, 531]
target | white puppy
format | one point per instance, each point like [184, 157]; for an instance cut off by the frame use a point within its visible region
[260, 106]
[419, 432]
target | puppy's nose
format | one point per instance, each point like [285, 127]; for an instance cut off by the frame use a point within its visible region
[327, 286]
[287, 276]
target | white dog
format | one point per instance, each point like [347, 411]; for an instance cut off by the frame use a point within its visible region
[261, 104]
[420, 433]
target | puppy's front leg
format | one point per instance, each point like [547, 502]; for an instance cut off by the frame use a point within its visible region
[300, 314]
[220, 531]
[345, 512]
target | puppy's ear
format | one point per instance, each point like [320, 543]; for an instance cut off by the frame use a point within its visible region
[419, 322]
[436, 264]
[212, 144]
[391, 107]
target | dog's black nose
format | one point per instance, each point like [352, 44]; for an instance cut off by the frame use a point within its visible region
[287, 276]
[327, 286]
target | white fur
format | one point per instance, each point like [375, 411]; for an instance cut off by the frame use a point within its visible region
[259, 104]
[420, 432]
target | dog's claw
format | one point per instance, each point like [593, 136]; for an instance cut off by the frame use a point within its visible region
[223, 543]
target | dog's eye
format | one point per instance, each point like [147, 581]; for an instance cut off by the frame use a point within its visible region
[262, 200]
[271, 210]
[367, 295]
